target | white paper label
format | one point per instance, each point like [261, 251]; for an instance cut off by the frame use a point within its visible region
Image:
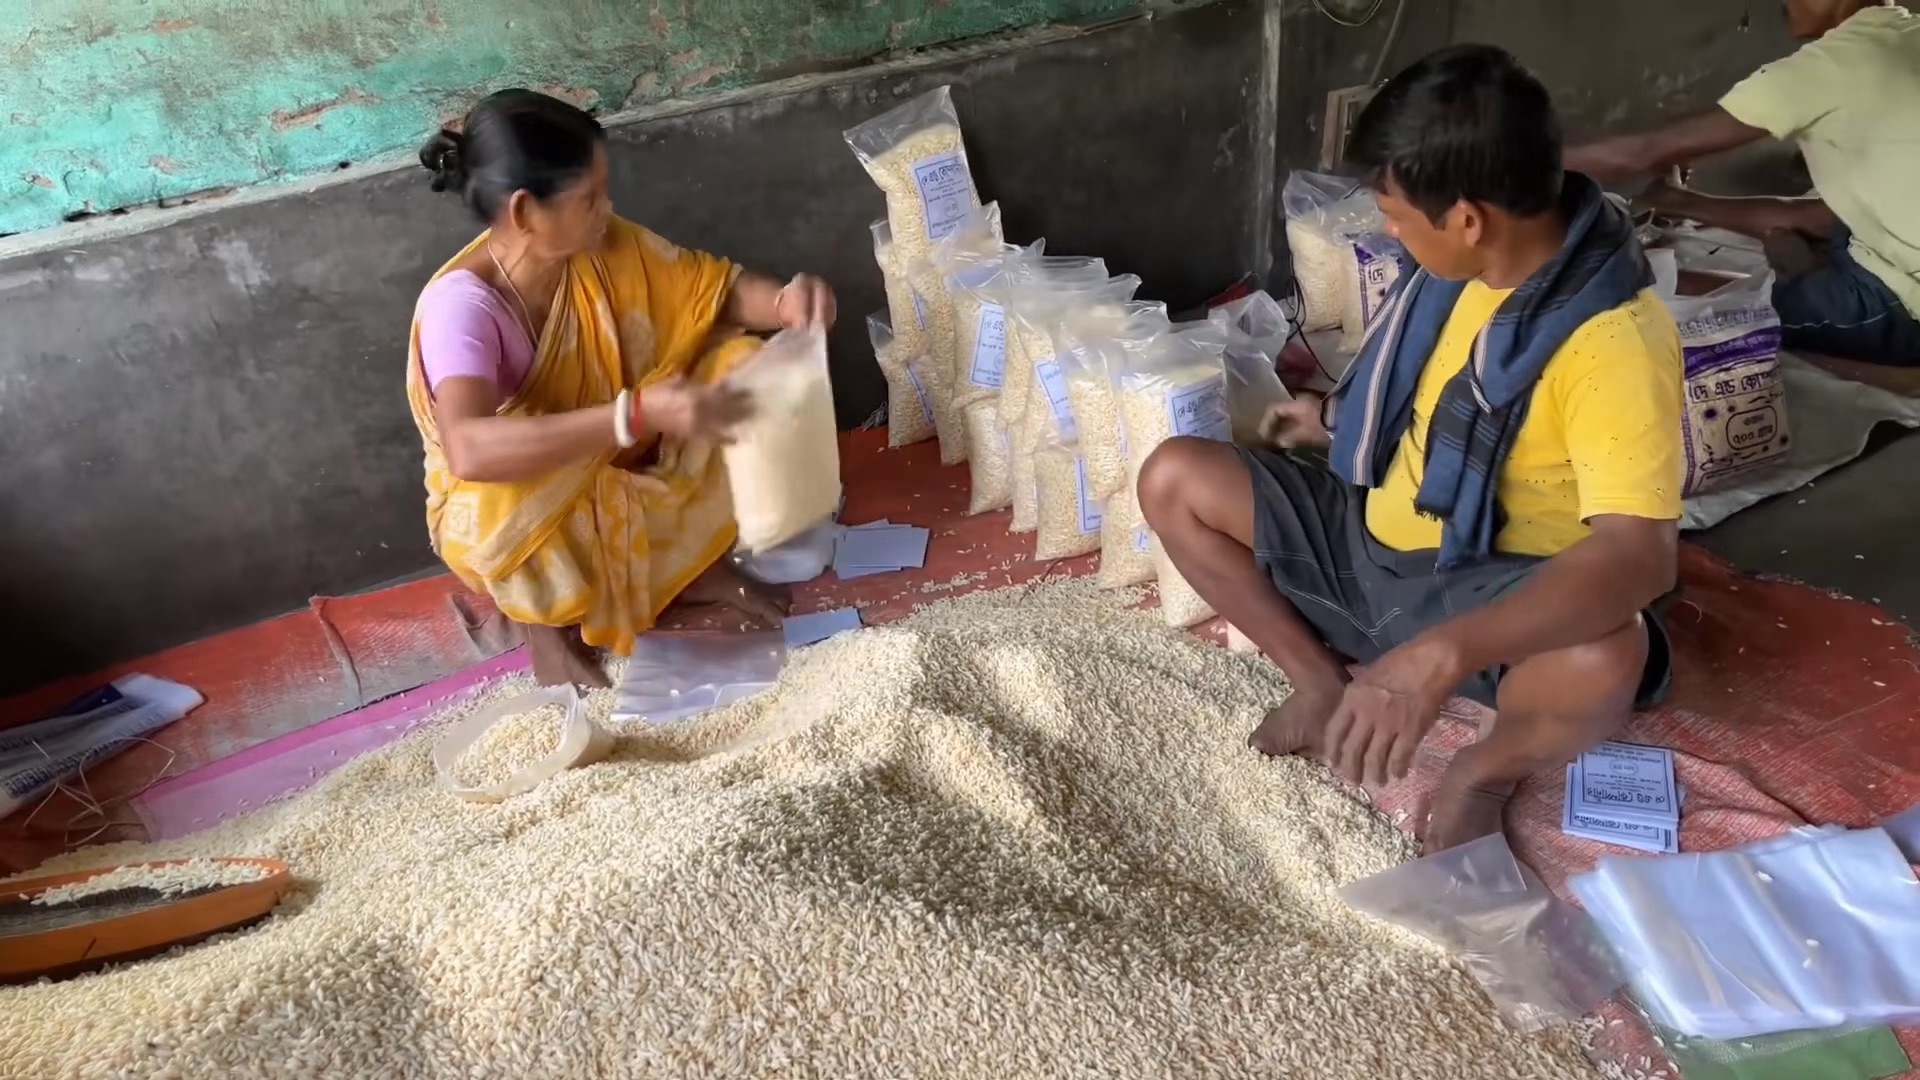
[1053, 383]
[1200, 410]
[1090, 513]
[946, 192]
[1142, 539]
[919, 308]
[989, 368]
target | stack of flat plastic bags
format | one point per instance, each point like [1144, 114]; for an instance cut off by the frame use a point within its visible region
[1818, 928]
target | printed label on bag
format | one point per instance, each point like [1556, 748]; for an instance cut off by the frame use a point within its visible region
[1053, 382]
[1142, 539]
[1090, 512]
[946, 192]
[1378, 262]
[1200, 410]
[989, 368]
[919, 308]
[926, 403]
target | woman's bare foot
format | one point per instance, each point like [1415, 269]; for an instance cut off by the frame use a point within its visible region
[765, 604]
[1296, 727]
[560, 658]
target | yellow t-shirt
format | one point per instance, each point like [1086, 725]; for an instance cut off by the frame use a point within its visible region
[1602, 434]
[1851, 101]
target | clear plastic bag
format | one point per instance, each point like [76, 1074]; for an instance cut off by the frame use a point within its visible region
[917, 157]
[1127, 546]
[989, 459]
[1070, 514]
[977, 288]
[1037, 288]
[1257, 330]
[582, 742]
[670, 676]
[906, 310]
[909, 408]
[1093, 344]
[1325, 214]
[802, 558]
[1812, 929]
[783, 465]
[1177, 385]
[1539, 959]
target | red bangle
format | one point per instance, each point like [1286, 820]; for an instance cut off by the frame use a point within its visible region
[637, 419]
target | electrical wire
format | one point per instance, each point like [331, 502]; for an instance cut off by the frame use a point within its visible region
[1386, 47]
[1363, 20]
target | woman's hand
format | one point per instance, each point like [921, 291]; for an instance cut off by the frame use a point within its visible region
[688, 410]
[806, 301]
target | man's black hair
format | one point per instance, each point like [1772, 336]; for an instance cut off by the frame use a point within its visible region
[1467, 122]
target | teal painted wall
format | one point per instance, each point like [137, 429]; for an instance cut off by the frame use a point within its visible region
[107, 104]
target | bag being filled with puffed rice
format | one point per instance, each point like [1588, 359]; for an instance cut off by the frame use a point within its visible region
[1325, 215]
[909, 410]
[783, 465]
[1256, 331]
[906, 308]
[1176, 386]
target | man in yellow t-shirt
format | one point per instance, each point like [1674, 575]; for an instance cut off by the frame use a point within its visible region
[1850, 100]
[1502, 509]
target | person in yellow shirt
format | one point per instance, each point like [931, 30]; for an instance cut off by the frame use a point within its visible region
[1499, 512]
[1850, 100]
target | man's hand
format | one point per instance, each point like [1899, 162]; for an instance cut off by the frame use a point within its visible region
[1663, 197]
[1388, 709]
[1296, 424]
[806, 301]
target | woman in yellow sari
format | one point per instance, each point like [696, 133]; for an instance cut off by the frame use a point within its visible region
[564, 377]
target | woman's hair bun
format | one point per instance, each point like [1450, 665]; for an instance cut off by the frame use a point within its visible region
[444, 157]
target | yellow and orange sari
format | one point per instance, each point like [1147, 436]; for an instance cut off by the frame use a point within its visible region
[592, 544]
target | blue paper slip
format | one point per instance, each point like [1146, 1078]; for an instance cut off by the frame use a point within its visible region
[892, 546]
[1656, 839]
[1626, 782]
[808, 629]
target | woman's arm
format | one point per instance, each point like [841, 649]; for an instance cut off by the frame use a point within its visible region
[759, 302]
[483, 447]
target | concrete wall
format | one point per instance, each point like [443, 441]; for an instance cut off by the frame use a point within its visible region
[107, 104]
[203, 424]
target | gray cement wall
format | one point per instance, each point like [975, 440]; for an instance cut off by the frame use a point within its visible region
[203, 424]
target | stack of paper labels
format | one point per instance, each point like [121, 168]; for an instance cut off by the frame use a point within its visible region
[879, 547]
[1619, 793]
[1814, 929]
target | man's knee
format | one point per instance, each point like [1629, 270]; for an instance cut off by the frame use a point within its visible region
[1171, 473]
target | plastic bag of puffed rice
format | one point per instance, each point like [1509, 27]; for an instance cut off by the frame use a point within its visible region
[1097, 343]
[1177, 386]
[783, 465]
[909, 409]
[917, 157]
[1325, 215]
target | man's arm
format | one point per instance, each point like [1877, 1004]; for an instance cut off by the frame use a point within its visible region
[1633, 157]
[1755, 216]
[1583, 594]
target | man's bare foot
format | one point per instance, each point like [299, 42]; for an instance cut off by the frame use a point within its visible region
[560, 658]
[1462, 813]
[1297, 726]
[722, 584]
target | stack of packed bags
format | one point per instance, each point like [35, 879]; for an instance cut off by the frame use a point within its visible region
[1043, 372]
